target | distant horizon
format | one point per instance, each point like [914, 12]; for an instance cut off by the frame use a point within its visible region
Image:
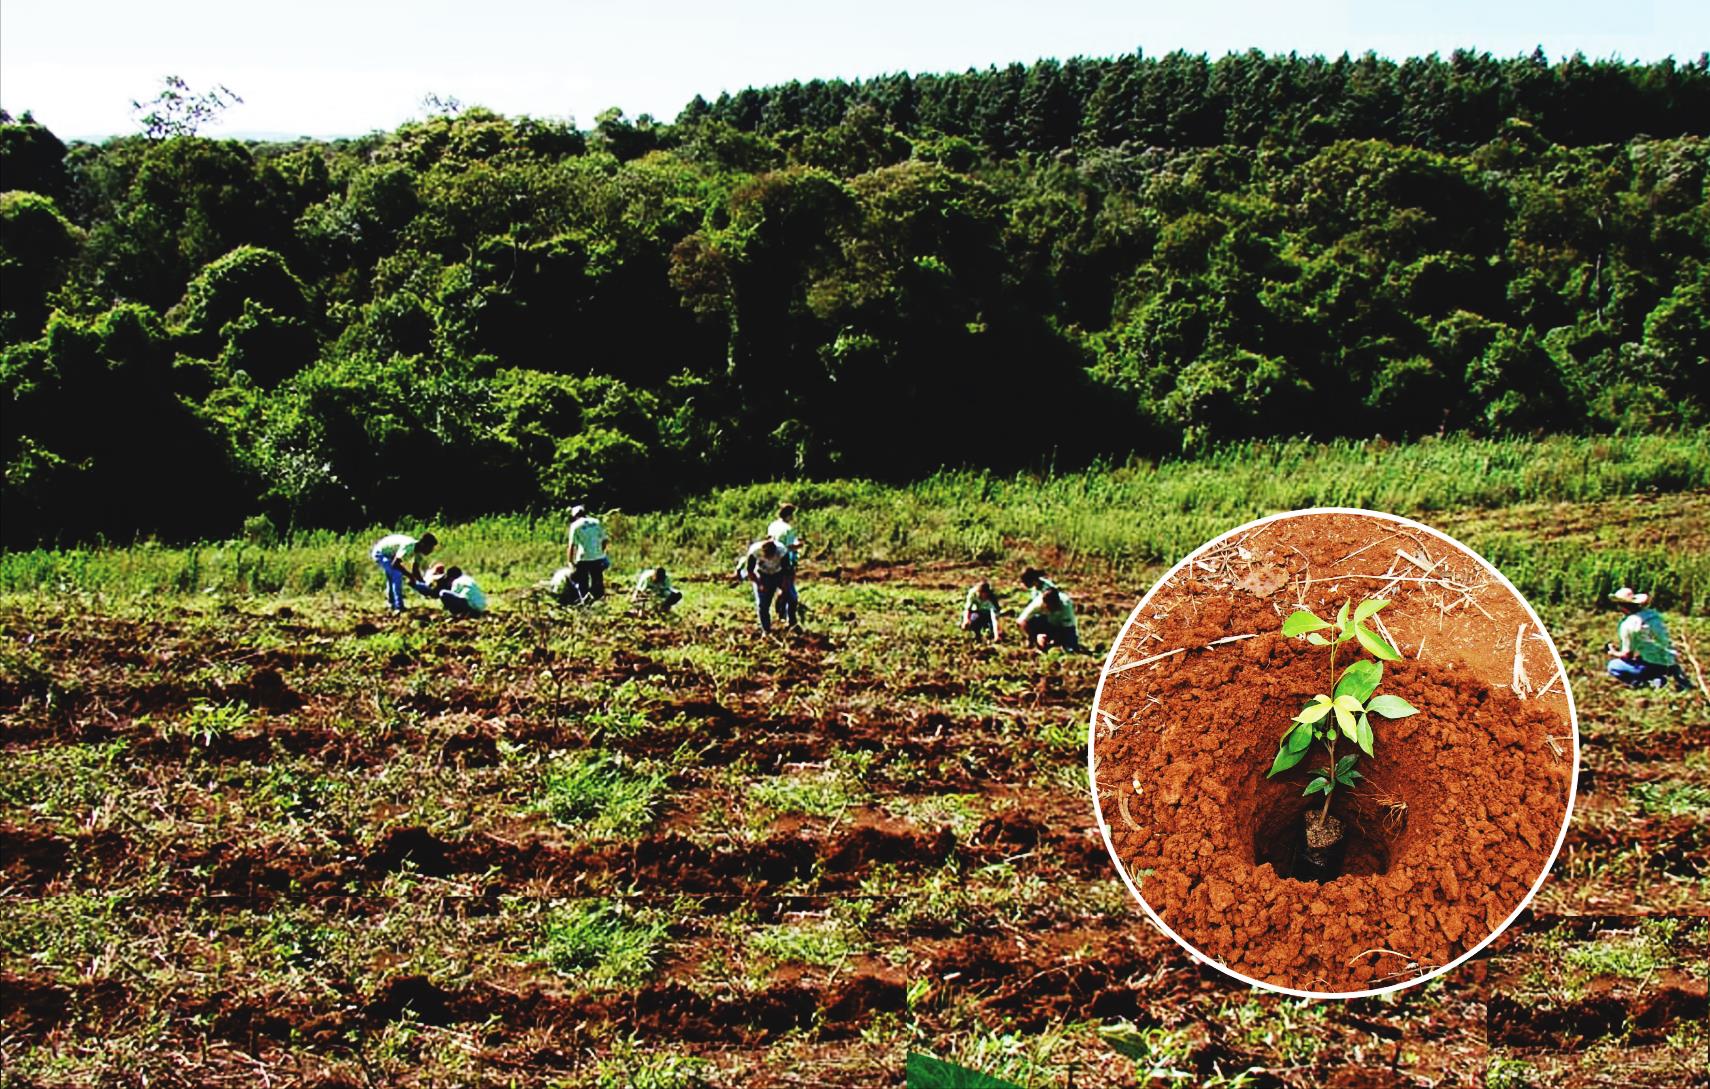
[330, 69]
[286, 136]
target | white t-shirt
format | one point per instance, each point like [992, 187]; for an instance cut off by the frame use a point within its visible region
[784, 533]
[767, 565]
[587, 540]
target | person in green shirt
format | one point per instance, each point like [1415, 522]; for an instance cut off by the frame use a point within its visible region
[1643, 653]
[462, 597]
[653, 588]
[980, 611]
[390, 552]
[1049, 621]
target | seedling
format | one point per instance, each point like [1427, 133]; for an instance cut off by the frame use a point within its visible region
[1353, 702]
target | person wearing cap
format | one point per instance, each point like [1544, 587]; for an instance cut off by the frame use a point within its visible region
[980, 611]
[461, 597]
[390, 552]
[586, 554]
[653, 588]
[766, 565]
[1643, 653]
[1049, 621]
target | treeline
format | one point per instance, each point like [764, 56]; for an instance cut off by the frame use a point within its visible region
[476, 313]
[1250, 99]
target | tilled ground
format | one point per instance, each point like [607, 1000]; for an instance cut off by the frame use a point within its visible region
[248, 843]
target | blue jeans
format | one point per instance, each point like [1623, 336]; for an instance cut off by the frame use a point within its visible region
[783, 587]
[394, 581]
[1636, 672]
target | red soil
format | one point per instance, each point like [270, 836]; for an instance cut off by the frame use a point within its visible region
[1486, 794]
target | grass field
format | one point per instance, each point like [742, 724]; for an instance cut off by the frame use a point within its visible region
[255, 831]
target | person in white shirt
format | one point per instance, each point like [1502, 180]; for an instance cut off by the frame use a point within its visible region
[586, 554]
[767, 566]
[784, 532]
[653, 588]
[391, 552]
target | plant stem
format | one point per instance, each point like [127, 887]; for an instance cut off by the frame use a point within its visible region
[1335, 730]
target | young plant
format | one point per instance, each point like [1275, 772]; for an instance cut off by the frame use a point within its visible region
[1352, 703]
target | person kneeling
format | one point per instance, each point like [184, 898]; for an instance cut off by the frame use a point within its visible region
[653, 589]
[980, 611]
[1049, 621]
[461, 597]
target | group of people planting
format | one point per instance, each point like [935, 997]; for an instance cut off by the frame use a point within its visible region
[769, 565]
[454, 590]
[1642, 655]
[1046, 621]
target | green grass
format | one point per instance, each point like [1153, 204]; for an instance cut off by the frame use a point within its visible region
[602, 794]
[1135, 513]
[602, 944]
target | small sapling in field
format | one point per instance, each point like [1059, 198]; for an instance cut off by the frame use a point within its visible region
[1352, 702]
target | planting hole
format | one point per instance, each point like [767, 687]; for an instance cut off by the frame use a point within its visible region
[1279, 837]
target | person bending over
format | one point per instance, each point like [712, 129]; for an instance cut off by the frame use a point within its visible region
[766, 565]
[461, 597]
[653, 590]
[1049, 621]
[391, 552]
[980, 611]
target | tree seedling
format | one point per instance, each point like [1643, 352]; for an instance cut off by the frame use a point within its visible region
[1353, 701]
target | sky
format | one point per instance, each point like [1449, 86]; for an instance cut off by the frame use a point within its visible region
[326, 68]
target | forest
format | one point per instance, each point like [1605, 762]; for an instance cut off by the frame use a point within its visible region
[1027, 266]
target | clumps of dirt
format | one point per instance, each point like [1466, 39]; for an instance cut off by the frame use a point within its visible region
[1485, 798]
[1607, 1008]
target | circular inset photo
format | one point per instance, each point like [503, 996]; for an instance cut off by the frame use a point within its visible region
[1333, 752]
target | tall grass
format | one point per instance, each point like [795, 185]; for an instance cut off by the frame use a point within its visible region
[1134, 514]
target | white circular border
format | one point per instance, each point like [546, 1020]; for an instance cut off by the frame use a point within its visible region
[1104, 826]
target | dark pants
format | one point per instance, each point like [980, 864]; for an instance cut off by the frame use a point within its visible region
[590, 578]
[1636, 673]
[780, 585]
[982, 622]
[455, 605]
[1055, 635]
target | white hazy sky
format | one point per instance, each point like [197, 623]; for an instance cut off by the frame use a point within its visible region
[319, 67]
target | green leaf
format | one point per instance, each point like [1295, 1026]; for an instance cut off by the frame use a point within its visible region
[1285, 760]
[1367, 607]
[1391, 706]
[1318, 784]
[1365, 738]
[1300, 738]
[1312, 712]
[1346, 780]
[1342, 618]
[1375, 643]
[1360, 680]
[1346, 721]
[1344, 765]
[1349, 704]
[1317, 640]
[925, 1072]
[1300, 622]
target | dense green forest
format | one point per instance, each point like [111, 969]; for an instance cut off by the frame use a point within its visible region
[1001, 268]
